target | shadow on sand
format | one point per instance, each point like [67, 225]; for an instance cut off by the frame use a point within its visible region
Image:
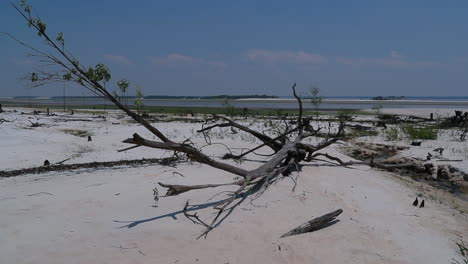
[240, 198]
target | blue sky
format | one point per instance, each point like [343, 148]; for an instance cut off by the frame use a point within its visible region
[347, 48]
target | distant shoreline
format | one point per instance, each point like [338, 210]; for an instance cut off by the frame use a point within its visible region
[363, 101]
[260, 103]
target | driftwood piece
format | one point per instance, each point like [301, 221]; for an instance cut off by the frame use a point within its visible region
[315, 224]
[37, 124]
[60, 162]
[360, 127]
[4, 120]
[67, 167]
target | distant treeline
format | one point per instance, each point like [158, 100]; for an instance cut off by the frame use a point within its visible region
[224, 96]
[388, 98]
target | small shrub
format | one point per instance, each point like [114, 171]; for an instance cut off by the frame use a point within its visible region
[357, 133]
[377, 109]
[315, 98]
[392, 134]
[419, 132]
[229, 109]
[345, 116]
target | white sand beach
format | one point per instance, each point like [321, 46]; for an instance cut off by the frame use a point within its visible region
[107, 215]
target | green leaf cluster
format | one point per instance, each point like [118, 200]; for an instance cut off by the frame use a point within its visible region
[25, 6]
[100, 72]
[34, 77]
[123, 85]
[139, 99]
[60, 39]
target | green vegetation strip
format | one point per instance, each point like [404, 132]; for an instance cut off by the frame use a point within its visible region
[234, 111]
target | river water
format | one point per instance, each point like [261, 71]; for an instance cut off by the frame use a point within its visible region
[280, 103]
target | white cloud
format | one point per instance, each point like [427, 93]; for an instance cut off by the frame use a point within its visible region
[292, 57]
[395, 54]
[177, 60]
[394, 60]
[117, 59]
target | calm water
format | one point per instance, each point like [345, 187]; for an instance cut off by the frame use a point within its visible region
[328, 102]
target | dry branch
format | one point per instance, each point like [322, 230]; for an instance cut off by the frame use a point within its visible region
[191, 152]
[4, 120]
[272, 143]
[299, 101]
[174, 189]
[37, 124]
[229, 155]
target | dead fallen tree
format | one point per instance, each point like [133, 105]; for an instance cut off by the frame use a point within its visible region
[88, 165]
[386, 157]
[289, 152]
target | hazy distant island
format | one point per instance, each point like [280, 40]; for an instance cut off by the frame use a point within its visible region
[380, 98]
[176, 97]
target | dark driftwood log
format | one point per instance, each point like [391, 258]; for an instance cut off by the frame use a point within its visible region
[314, 224]
[67, 167]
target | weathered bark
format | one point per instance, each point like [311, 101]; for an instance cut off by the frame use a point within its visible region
[314, 224]
[289, 149]
[191, 152]
[174, 189]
